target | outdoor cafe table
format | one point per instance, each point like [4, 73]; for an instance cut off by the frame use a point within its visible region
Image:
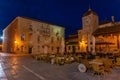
[97, 66]
[95, 62]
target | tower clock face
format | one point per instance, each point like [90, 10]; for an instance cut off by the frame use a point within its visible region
[86, 21]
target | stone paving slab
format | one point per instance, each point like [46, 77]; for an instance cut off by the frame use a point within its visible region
[27, 68]
[14, 54]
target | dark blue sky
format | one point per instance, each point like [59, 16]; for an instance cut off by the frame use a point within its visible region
[66, 13]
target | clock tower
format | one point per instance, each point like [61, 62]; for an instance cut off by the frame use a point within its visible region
[90, 24]
[90, 21]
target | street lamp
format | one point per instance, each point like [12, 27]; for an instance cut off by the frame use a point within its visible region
[82, 44]
[16, 44]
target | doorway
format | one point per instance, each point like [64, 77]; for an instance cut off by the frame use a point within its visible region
[30, 50]
[73, 49]
[58, 50]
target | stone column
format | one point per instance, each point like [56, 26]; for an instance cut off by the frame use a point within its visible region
[93, 44]
[62, 45]
[118, 42]
[45, 50]
[88, 42]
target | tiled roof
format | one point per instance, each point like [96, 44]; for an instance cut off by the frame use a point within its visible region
[89, 12]
[107, 30]
[74, 36]
[104, 22]
[40, 21]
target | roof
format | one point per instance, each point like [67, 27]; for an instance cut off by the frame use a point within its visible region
[71, 43]
[104, 22]
[89, 12]
[102, 43]
[107, 30]
[33, 20]
[73, 36]
[40, 21]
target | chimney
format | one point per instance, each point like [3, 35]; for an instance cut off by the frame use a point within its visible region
[113, 18]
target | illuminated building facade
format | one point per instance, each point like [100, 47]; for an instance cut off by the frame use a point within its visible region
[97, 37]
[72, 45]
[86, 38]
[108, 37]
[24, 35]
[0, 45]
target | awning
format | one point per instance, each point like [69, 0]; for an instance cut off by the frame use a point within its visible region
[104, 43]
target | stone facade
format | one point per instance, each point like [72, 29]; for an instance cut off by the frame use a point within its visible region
[72, 45]
[0, 45]
[24, 35]
[97, 37]
[90, 24]
[85, 37]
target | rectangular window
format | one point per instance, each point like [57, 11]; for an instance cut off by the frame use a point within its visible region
[38, 48]
[22, 37]
[78, 47]
[52, 48]
[68, 47]
[22, 48]
[38, 39]
[30, 28]
[58, 38]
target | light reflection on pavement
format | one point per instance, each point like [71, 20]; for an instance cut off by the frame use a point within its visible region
[2, 74]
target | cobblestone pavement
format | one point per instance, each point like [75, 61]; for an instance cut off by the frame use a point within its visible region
[24, 67]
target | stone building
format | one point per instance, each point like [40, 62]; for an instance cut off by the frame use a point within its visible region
[107, 37]
[25, 35]
[89, 25]
[72, 44]
[0, 45]
[98, 36]
[84, 35]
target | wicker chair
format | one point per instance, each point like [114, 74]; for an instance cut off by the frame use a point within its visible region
[107, 64]
[98, 69]
[118, 61]
[97, 66]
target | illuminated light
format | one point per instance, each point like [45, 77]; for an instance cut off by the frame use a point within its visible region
[15, 41]
[82, 42]
[82, 46]
[1, 37]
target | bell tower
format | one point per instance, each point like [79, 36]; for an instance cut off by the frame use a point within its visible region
[90, 21]
[90, 24]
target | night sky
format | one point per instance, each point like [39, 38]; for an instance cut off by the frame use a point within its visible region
[66, 13]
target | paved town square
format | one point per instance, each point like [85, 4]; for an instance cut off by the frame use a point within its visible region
[59, 40]
[25, 67]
